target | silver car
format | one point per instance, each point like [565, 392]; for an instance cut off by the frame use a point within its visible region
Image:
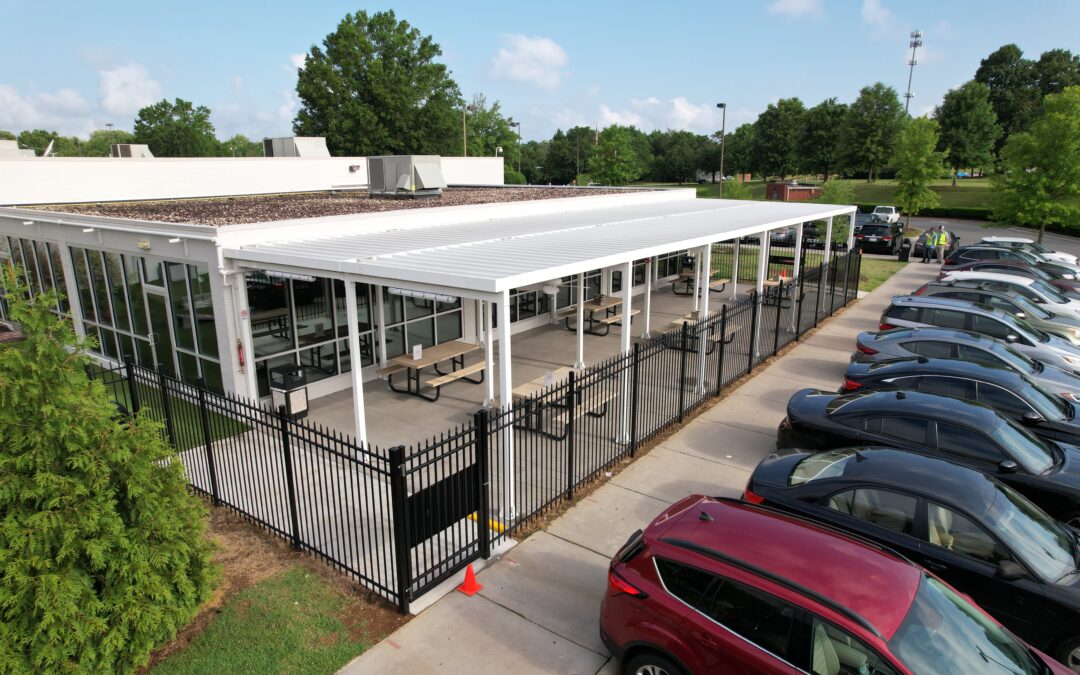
[961, 344]
[914, 311]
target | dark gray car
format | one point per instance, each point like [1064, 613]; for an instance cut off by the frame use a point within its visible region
[961, 344]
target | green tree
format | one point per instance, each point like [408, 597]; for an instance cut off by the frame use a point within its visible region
[917, 163]
[39, 139]
[1055, 70]
[239, 146]
[837, 192]
[568, 154]
[176, 129]
[968, 127]
[738, 150]
[488, 130]
[819, 140]
[100, 141]
[375, 88]
[776, 135]
[103, 551]
[7, 136]
[708, 159]
[533, 156]
[614, 161]
[736, 189]
[873, 124]
[677, 155]
[1040, 179]
[1014, 91]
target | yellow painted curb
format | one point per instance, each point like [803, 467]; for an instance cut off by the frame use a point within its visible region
[492, 523]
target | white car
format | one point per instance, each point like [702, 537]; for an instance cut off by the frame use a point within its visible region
[888, 214]
[1035, 290]
[1031, 246]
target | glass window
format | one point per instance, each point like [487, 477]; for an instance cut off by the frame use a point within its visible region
[82, 282]
[41, 252]
[683, 581]
[181, 305]
[931, 349]
[948, 386]
[101, 294]
[905, 429]
[416, 308]
[966, 443]
[135, 296]
[395, 341]
[202, 307]
[835, 651]
[152, 273]
[58, 276]
[954, 532]
[189, 366]
[1028, 451]
[943, 633]
[760, 618]
[314, 318]
[883, 508]
[448, 326]
[1002, 400]
[262, 370]
[393, 309]
[947, 318]
[420, 333]
[115, 273]
[1040, 541]
[211, 372]
[319, 362]
[30, 265]
[828, 464]
[271, 321]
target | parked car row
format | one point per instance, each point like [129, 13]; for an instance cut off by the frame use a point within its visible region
[944, 472]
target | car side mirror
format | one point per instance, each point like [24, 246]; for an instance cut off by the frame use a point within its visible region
[1012, 339]
[1009, 570]
[1032, 417]
[1007, 466]
[1020, 315]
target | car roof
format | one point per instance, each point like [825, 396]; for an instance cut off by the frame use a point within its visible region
[973, 285]
[916, 403]
[921, 365]
[950, 303]
[906, 471]
[934, 333]
[1017, 240]
[972, 275]
[778, 543]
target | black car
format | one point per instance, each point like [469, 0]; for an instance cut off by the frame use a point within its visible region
[880, 238]
[1046, 472]
[1022, 400]
[976, 533]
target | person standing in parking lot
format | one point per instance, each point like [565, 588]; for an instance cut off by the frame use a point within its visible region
[941, 242]
[929, 238]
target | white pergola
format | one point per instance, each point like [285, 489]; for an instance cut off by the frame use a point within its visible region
[485, 260]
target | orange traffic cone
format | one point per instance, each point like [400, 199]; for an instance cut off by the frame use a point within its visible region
[470, 587]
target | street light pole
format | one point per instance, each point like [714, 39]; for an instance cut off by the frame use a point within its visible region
[723, 126]
[518, 125]
[464, 133]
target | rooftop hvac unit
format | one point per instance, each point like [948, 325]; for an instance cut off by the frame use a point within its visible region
[130, 150]
[295, 146]
[405, 176]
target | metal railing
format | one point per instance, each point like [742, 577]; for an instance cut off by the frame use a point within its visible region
[403, 520]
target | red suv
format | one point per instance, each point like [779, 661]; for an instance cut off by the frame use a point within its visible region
[722, 586]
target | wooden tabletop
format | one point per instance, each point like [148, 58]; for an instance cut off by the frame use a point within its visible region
[535, 386]
[607, 303]
[433, 355]
[770, 282]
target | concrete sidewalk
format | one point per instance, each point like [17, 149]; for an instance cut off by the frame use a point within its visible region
[539, 608]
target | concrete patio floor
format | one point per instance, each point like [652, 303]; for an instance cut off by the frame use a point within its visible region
[394, 419]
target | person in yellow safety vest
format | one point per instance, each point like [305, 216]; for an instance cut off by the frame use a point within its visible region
[929, 241]
[941, 241]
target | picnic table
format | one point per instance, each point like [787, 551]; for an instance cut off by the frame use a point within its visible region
[713, 339]
[453, 351]
[591, 400]
[606, 305]
[689, 281]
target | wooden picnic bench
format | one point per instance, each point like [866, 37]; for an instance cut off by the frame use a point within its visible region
[453, 351]
[688, 280]
[712, 340]
[606, 305]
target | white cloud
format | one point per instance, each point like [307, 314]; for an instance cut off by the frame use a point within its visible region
[64, 110]
[876, 14]
[537, 60]
[297, 60]
[654, 113]
[126, 89]
[795, 7]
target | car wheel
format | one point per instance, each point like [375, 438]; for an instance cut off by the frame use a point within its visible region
[1068, 652]
[651, 663]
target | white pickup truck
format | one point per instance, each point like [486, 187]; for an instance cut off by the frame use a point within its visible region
[888, 214]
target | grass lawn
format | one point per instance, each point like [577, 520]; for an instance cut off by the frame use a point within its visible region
[275, 611]
[875, 271]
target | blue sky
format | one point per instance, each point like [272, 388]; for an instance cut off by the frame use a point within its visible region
[75, 66]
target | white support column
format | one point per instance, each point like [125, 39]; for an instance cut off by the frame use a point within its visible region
[505, 395]
[697, 279]
[355, 361]
[648, 296]
[243, 309]
[851, 231]
[381, 324]
[627, 295]
[702, 341]
[796, 270]
[828, 254]
[735, 269]
[762, 271]
[489, 356]
[580, 363]
[605, 281]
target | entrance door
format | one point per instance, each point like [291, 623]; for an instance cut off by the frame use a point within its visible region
[157, 310]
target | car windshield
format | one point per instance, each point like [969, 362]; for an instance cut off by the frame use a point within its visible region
[1028, 451]
[1030, 258]
[1028, 328]
[1014, 358]
[829, 464]
[1038, 539]
[1049, 406]
[943, 633]
[1030, 308]
[1037, 247]
[875, 230]
[1049, 291]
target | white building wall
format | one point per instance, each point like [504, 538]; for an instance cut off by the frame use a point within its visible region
[102, 179]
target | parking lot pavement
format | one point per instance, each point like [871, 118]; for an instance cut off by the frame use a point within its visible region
[539, 609]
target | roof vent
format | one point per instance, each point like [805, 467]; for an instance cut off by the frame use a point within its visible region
[405, 176]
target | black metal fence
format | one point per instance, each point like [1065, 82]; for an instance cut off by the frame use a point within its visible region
[404, 519]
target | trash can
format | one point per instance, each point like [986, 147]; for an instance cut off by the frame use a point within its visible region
[905, 250]
[288, 387]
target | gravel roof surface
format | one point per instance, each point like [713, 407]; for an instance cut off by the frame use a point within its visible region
[263, 208]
